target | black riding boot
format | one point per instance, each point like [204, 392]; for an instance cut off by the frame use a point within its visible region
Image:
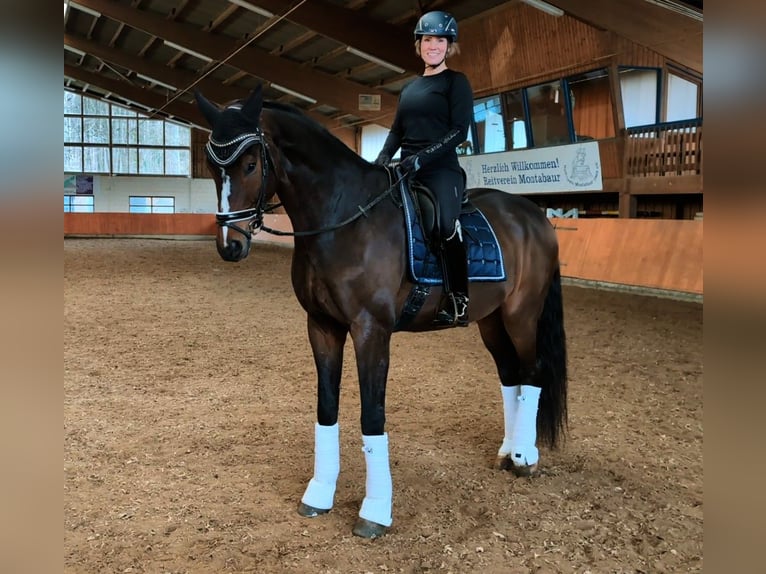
[454, 311]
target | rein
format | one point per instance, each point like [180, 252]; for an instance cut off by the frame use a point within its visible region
[362, 212]
[254, 215]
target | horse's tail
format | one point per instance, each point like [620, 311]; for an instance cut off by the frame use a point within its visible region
[552, 363]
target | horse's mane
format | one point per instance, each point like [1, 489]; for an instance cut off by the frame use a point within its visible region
[307, 124]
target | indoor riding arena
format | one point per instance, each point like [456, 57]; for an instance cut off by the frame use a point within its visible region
[190, 388]
[190, 399]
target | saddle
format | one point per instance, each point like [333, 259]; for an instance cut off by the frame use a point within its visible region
[428, 214]
[421, 221]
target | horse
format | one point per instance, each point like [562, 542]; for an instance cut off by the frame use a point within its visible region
[350, 274]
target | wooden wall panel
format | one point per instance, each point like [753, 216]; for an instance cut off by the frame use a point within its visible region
[627, 53]
[114, 224]
[199, 163]
[611, 158]
[519, 46]
[661, 254]
[347, 136]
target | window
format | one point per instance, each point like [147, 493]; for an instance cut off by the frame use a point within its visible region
[516, 120]
[640, 89]
[683, 98]
[78, 204]
[590, 104]
[490, 131]
[149, 204]
[124, 160]
[548, 114]
[102, 137]
[72, 158]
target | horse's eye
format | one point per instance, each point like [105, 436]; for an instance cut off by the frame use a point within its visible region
[250, 168]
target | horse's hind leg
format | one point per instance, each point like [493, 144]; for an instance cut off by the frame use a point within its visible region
[516, 366]
[327, 339]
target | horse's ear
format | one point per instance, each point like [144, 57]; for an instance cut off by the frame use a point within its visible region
[208, 109]
[251, 109]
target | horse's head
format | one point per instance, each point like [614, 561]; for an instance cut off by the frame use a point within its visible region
[238, 158]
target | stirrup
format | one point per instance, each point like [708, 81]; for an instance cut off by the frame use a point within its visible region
[455, 312]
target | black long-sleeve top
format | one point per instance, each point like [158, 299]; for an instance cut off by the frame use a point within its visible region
[432, 119]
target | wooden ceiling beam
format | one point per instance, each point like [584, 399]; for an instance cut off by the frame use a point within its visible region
[380, 39]
[116, 35]
[335, 92]
[177, 77]
[181, 79]
[183, 110]
[221, 18]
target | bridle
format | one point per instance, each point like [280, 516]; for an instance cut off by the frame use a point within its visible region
[223, 154]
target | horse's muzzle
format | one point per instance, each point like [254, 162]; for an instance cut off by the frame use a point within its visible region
[231, 223]
[233, 250]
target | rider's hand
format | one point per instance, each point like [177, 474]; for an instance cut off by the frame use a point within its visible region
[410, 164]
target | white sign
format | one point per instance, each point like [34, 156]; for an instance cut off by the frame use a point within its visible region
[575, 167]
[369, 102]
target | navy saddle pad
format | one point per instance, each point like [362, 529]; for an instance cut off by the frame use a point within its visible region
[485, 259]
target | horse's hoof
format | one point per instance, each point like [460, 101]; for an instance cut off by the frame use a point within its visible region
[506, 463]
[366, 529]
[310, 511]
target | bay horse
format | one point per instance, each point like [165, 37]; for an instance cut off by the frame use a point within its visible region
[349, 273]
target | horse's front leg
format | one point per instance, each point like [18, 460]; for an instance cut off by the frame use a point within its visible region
[372, 348]
[327, 339]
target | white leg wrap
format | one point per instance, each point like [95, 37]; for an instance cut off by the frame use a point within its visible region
[510, 407]
[321, 489]
[520, 408]
[376, 506]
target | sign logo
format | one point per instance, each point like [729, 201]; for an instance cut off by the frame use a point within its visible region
[581, 173]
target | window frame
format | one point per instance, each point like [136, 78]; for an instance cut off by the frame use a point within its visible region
[83, 200]
[119, 113]
[153, 204]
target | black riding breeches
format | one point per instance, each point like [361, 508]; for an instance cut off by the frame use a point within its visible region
[446, 183]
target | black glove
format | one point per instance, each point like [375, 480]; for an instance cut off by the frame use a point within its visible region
[382, 159]
[410, 164]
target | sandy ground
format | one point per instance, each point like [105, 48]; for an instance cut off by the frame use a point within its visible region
[189, 411]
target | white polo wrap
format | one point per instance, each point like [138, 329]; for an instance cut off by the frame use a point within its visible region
[376, 506]
[320, 492]
[520, 404]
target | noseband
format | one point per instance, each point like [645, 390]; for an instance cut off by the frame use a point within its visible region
[223, 154]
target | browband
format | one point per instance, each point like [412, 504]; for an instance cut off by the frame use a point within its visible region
[226, 153]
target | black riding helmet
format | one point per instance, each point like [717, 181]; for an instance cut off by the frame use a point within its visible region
[437, 23]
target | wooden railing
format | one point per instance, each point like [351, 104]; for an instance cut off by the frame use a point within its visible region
[673, 148]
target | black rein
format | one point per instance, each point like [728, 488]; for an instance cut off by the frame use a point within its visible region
[254, 215]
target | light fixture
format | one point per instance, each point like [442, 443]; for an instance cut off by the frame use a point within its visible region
[678, 8]
[248, 6]
[188, 51]
[294, 93]
[545, 7]
[159, 83]
[375, 60]
[75, 50]
[66, 8]
[85, 9]
[137, 105]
